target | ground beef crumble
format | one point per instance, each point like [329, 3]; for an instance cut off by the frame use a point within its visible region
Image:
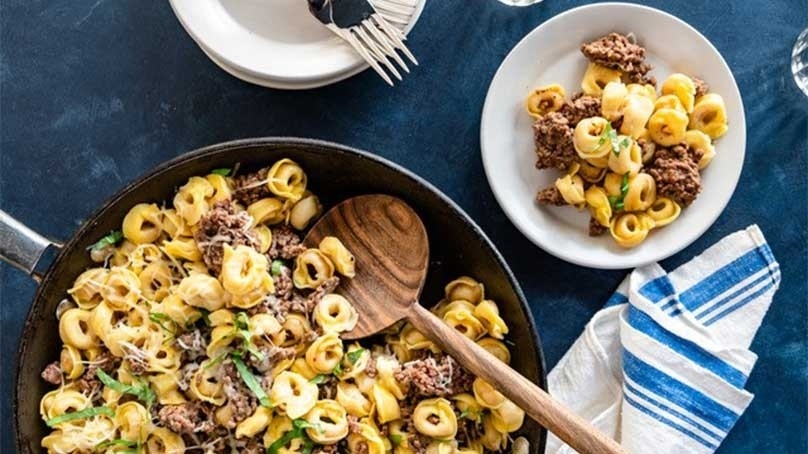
[187, 418]
[328, 286]
[550, 196]
[89, 382]
[252, 187]
[222, 225]
[701, 86]
[579, 107]
[676, 173]
[616, 51]
[271, 355]
[435, 376]
[136, 365]
[648, 148]
[193, 345]
[240, 399]
[286, 243]
[251, 447]
[552, 135]
[595, 228]
[353, 425]
[53, 373]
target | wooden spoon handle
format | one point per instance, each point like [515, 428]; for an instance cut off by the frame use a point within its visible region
[536, 403]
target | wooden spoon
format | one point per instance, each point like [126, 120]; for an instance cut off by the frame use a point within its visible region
[391, 248]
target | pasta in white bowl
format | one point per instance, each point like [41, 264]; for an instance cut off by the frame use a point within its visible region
[636, 112]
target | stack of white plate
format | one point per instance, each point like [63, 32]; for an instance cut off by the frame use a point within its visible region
[273, 43]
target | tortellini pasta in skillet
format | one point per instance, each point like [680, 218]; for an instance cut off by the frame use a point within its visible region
[208, 326]
[632, 153]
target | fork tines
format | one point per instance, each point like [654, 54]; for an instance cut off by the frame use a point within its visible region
[378, 41]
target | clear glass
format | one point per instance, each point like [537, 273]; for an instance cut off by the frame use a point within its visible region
[799, 61]
[520, 2]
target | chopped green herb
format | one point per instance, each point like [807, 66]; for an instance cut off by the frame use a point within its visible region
[319, 378]
[134, 446]
[300, 423]
[625, 142]
[223, 172]
[354, 356]
[251, 381]
[277, 267]
[618, 202]
[308, 446]
[396, 439]
[614, 142]
[275, 447]
[142, 391]
[338, 370]
[161, 320]
[216, 360]
[241, 324]
[469, 414]
[298, 427]
[109, 240]
[81, 414]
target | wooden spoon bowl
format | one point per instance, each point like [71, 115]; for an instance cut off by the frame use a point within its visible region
[391, 248]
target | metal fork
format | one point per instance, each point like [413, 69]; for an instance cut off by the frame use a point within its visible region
[367, 28]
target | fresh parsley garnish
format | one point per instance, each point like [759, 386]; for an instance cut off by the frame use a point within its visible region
[241, 323]
[298, 431]
[81, 414]
[110, 240]
[318, 379]
[134, 446]
[618, 202]
[610, 134]
[216, 360]
[142, 391]
[338, 370]
[396, 439]
[161, 320]
[354, 356]
[625, 142]
[613, 140]
[250, 380]
[470, 414]
[277, 267]
[223, 172]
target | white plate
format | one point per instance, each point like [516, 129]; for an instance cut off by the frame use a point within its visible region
[270, 83]
[550, 53]
[274, 43]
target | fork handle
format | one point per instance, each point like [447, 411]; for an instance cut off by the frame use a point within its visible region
[566, 425]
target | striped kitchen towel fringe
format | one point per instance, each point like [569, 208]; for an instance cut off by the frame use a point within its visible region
[662, 368]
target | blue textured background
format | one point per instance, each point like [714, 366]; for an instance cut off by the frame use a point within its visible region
[93, 93]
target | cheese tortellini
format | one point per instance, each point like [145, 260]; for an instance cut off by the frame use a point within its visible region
[544, 100]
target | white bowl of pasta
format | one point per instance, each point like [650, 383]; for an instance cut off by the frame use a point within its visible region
[641, 206]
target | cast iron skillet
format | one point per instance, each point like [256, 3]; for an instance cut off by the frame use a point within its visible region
[336, 172]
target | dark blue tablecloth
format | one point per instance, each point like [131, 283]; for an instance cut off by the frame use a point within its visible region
[93, 93]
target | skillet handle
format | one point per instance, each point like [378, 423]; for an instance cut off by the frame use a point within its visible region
[21, 246]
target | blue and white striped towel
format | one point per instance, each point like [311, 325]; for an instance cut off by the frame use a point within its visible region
[662, 367]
